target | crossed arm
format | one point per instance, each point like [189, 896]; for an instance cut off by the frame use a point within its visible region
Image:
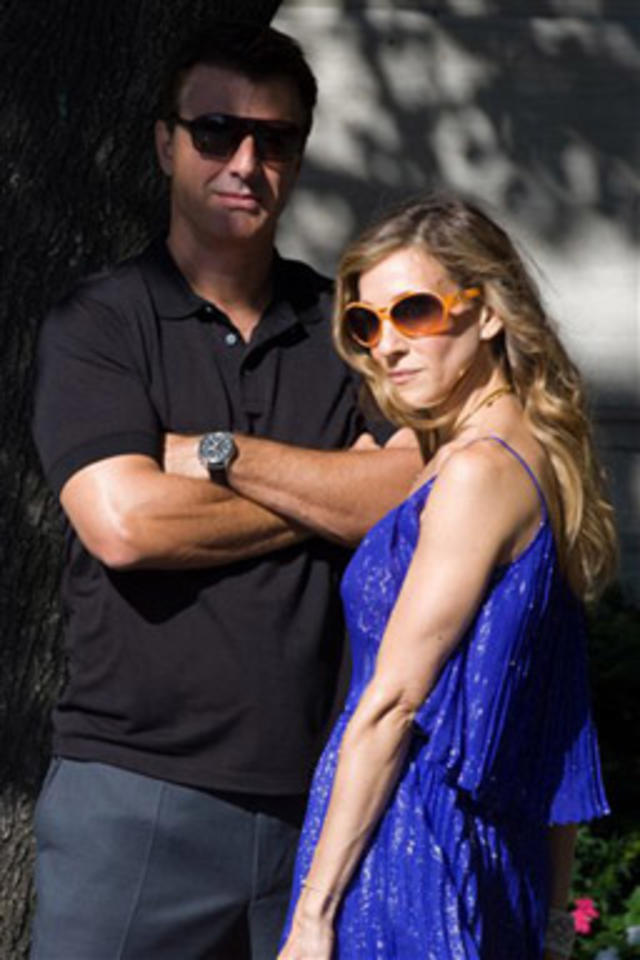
[131, 513]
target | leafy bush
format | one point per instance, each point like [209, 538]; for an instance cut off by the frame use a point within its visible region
[607, 869]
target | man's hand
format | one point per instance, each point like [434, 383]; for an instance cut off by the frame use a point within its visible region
[365, 442]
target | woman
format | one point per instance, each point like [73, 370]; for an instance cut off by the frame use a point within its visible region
[440, 822]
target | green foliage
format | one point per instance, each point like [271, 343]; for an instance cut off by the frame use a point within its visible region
[607, 865]
[607, 870]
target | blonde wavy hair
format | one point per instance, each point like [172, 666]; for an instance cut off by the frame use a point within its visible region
[477, 252]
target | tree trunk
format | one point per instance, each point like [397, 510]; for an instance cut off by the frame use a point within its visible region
[79, 190]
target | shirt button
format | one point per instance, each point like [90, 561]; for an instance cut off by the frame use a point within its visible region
[207, 309]
[231, 339]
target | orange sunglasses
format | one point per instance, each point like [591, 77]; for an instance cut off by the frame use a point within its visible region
[412, 314]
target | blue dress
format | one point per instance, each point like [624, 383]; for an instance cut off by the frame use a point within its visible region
[503, 746]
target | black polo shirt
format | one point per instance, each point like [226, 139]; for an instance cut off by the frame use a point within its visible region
[221, 678]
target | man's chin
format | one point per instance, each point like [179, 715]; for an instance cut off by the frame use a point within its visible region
[233, 224]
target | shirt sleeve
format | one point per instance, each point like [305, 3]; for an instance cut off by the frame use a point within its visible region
[91, 400]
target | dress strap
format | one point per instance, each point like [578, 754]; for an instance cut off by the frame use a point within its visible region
[523, 463]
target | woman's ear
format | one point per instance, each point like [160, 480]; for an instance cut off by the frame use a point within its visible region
[490, 323]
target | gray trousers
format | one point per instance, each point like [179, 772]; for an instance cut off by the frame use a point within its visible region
[133, 868]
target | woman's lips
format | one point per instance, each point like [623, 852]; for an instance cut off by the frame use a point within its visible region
[401, 376]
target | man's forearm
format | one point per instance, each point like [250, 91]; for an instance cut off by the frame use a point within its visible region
[130, 515]
[212, 534]
[338, 494]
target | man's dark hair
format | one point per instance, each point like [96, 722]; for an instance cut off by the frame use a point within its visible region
[255, 51]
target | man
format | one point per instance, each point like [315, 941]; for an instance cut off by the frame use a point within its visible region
[203, 630]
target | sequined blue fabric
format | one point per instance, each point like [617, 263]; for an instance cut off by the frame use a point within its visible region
[503, 746]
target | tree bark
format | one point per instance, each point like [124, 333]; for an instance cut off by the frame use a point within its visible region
[79, 190]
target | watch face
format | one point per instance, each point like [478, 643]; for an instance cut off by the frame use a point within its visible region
[216, 450]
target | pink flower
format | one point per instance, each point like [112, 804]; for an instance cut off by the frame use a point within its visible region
[584, 913]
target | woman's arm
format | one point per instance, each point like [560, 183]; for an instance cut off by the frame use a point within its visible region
[476, 509]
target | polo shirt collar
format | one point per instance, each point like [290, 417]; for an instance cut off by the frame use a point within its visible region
[172, 296]
[291, 303]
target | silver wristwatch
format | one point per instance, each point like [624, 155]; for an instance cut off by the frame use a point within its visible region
[216, 451]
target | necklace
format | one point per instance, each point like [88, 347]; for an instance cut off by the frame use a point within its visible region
[485, 402]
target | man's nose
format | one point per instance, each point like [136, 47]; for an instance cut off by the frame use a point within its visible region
[245, 159]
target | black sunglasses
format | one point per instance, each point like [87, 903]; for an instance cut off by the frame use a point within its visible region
[220, 134]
